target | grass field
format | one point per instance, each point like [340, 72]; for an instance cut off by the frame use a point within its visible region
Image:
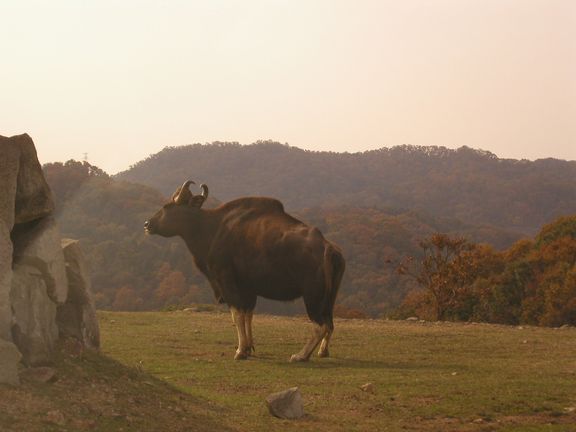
[173, 371]
[426, 376]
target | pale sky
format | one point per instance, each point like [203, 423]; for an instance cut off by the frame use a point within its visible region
[122, 79]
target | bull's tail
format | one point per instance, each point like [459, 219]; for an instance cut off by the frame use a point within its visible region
[334, 266]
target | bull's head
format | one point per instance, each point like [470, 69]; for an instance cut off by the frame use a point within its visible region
[174, 218]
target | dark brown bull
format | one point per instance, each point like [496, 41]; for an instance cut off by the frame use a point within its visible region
[250, 247]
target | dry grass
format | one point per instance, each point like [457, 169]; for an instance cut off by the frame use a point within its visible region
[427, 376]
[173, 371]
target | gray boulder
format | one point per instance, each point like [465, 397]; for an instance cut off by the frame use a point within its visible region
[25, 197]
[5, 280]
[286, 404]
[33, 198]
[9, 358]
[38, 244]
[9, 163]
[39, 284]
[34, 313]
[77, 317]
[33, 272]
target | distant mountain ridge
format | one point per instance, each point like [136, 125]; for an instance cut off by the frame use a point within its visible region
[471, 185]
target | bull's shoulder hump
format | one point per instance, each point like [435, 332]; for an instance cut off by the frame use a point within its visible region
[260, 203]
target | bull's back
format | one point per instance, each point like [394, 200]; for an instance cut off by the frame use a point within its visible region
[273, 255]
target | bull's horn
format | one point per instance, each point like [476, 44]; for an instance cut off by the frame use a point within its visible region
[186, 184]
[204, 190]
[178, 197]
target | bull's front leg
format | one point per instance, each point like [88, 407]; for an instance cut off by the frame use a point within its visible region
[248, 325]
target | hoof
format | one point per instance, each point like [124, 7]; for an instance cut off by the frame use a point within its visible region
[323, 353]
[296, 358]
[240, 355]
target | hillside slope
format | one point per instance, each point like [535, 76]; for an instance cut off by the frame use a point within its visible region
[132, 271]
[92, 392]
[466, 184]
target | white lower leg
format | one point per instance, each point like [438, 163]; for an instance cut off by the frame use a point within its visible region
[319, 332]
[248, 327]
[323, 351]
[239, 320]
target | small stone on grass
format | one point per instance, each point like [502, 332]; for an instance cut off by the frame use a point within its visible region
[41, 374]
[368, 388]
[286, 404]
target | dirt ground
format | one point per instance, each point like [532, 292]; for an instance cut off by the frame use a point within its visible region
[93, 392]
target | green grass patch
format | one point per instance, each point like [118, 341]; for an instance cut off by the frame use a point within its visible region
[427, 376]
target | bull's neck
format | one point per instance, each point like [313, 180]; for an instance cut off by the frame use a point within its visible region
[205, 227]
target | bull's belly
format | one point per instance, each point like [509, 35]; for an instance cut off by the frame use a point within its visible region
[279, 295]
[282, 289]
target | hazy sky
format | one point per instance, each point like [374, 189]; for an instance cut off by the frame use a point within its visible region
[122, 79]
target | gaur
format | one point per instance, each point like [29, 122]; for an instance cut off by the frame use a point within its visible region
[251, 247]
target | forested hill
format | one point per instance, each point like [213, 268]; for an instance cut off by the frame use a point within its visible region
[131, 271]
[466, 184]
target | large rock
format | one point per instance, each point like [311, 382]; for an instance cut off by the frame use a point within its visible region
[33, 273]
[39, 284]
[26, 194]
[24, 197]
[9, 358]
[33, 198]
[9, 163]
[5, 280]
[34, 313]
[77, 317]
[38, 244]
[286, 404]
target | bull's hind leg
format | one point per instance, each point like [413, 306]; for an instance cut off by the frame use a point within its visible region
[319, 332]
[323, 351]
[239, 318]
[323, 327]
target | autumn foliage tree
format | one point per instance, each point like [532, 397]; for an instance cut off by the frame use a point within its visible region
[532, 282]
[171, 288]
[126, 299]
[447, 270]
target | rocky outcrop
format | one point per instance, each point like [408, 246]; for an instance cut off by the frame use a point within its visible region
[77, 316]
[34, 329]
[38, 244]
[5, 279]
[9, 358]
[34, 198]
[34, 275]
[9, 163]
